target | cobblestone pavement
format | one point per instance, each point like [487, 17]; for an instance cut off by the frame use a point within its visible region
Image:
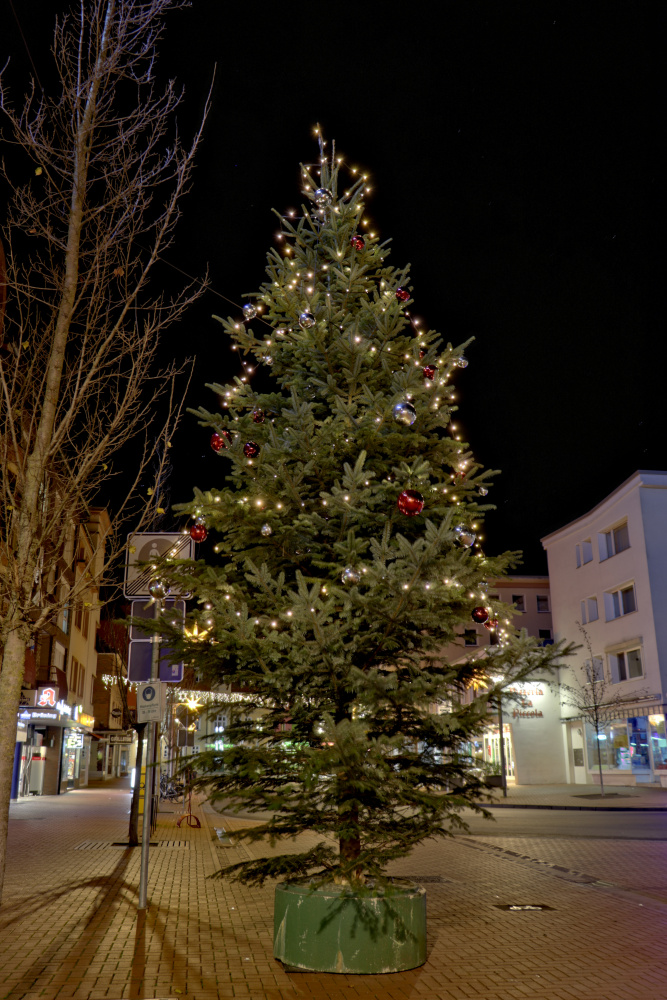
[69, 925]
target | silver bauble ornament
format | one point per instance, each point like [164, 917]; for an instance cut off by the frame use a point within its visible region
[483, 491]
[266, 530]
[158, 589]
[323, 197]
[249, 311]
[462, 362]
[405, 413]
[268, 360]
[200, 519]
[306, 320]
[464, 535]
[350, 575]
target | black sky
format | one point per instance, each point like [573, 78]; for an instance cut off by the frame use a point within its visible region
[512, 150]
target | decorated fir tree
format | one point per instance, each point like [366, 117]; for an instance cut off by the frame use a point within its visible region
[347, 521]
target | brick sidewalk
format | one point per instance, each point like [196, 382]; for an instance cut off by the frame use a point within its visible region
[642, 796]
[69, 927]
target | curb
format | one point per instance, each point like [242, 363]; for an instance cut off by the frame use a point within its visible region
[512, 805]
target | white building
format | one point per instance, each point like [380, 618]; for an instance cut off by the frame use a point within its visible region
[608, 571]
[532, 730]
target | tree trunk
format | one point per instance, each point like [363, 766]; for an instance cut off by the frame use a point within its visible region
[133, 834]
[11, 676]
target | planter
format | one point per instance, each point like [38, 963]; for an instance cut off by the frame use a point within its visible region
[334, 929]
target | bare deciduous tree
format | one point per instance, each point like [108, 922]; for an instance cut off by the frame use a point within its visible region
[78, 369]
[593, 699]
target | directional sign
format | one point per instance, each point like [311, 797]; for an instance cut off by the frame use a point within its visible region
[144, 547]
[149, 702]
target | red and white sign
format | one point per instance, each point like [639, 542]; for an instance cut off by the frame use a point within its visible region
[47, 697]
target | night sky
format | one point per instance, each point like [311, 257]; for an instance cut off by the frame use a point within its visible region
[512, 152]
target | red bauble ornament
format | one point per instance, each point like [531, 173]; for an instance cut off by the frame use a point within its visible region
[422, 353]
[480, 615]
[250, 449]
[258, 416]
[198, 533]
[410, 503]
[218, 442]
[402, 294]
[429, 371]
[492, 624]
[357, 243]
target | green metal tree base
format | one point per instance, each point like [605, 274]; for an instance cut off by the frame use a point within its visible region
[333, 929]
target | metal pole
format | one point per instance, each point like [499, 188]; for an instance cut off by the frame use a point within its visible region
[502, 746]
[148, 784]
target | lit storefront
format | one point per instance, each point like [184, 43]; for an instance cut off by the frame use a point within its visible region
[53, 746]
[630, 750]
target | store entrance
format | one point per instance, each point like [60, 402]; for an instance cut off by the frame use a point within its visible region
[492, 750]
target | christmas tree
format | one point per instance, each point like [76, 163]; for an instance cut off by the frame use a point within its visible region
[348, 534]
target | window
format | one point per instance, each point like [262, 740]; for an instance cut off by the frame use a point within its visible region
[582, 612]
[92, 690]
[546, 638]
[74, 675]
[577, 555]
[587, 550]
[82, 681]
[470, 637]
[619, 602]
[614, 541]
[594, 671]
[78, 616]
[86, 624]
[625, 665]
[542, 603]
[592, 609]
[519, 602]
[65, 619]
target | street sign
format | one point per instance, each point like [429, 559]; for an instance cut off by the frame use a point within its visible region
[141, 646]
[144, 546]
[150, 702]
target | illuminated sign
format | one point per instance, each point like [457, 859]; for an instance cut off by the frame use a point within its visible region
[74, 741]
[64, 708]
[47, 697]
[86, 720]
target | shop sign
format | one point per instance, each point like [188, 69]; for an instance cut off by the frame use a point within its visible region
[121, 737]
[86, 720]
[74, 741]
[29, 715]
[47, 697]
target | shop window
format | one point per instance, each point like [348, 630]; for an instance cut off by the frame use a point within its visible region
[519, 602]
[612, 542]
[470, 637]
[543, 603]
[625, 665]
[658, 739]
[609, 747]
[619, 602]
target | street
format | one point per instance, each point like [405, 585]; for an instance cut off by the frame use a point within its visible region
[69, 925]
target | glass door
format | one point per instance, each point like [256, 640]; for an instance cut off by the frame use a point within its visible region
[639, 752]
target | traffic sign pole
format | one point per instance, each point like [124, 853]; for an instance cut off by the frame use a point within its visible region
[150, 778]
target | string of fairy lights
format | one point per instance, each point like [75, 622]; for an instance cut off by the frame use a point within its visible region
[410, 502]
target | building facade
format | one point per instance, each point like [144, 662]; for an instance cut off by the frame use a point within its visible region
[530, 714]
[54, 738]
[608, 576]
